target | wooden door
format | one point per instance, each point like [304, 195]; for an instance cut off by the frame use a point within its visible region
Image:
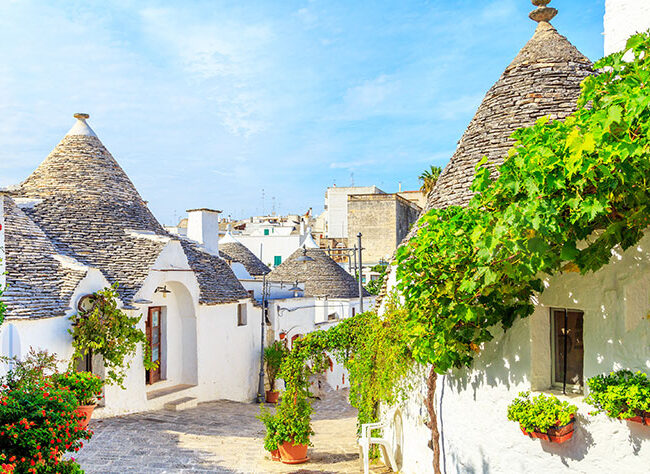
[153, 336]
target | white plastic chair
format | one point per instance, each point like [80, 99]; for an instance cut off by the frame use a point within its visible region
[367, 439]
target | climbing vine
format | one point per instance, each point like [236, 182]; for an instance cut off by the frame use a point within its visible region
[107, 331]
[373, 350]
[568, 193]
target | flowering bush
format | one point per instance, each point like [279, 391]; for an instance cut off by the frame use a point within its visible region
[38, 424]
[85, 386]
[36, 366]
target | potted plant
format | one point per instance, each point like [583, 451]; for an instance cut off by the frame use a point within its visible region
[273, 356]
[87, 389]
[294, 428]
[544, 417]
[623, 394]
[271, 438]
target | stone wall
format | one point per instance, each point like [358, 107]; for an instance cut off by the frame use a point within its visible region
[623, 18]
[383, 220]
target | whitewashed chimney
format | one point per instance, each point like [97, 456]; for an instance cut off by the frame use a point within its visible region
[203, 227]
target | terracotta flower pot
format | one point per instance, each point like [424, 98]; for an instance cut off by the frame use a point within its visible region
[293, 453]
[272, 396]
[85, 411]
[275, 455]
[557, 434]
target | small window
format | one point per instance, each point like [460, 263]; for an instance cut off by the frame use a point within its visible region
[332, 316]
[277, 260]
[241, 314]
[266, 231]
[567, 349]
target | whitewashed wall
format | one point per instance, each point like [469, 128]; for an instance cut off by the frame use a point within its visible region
[265, 247]
[623, 18]
[472, 404]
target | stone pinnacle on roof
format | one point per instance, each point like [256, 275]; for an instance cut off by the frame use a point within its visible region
[81, 127]
[542, 12]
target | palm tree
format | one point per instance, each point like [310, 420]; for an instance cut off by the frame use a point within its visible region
[429, 178]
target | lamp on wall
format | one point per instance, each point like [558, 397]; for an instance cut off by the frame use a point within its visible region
[295, 289]
[162, 289]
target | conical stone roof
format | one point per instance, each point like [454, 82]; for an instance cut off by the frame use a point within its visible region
[233, 250]
[544, 79]
[322, 276]
[90, 210]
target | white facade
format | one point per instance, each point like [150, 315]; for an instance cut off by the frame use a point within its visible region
[336, 208]
[271, 249]
[203, 348]
[471, 404]
[623, 18]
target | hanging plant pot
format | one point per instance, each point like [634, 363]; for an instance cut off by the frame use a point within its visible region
[85, 412]
[272, 396]
[293, 453]
[557, 434]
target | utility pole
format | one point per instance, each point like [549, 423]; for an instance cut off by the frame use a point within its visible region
[265, 305]
[360, 275]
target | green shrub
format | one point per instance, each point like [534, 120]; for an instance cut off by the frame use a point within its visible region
[85, 386]
[273, 356]
[36, 367]
[540, 413]
[271, 423]
[621, 394]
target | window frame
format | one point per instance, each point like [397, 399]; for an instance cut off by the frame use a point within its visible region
[568, 387]
[242, 315]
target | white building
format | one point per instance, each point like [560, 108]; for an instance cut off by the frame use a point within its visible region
[77, 225]
[336, 208]
[329, 294]
[607, 310]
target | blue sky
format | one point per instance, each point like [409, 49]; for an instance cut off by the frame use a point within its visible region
[206, 103]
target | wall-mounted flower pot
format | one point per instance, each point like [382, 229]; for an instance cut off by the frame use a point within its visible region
[85, 412]
[557, 434]
[293, 453]
[272, 396]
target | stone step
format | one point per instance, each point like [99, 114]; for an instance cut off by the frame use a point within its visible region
[181, 404]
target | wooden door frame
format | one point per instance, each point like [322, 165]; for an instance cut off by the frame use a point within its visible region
[154, 375]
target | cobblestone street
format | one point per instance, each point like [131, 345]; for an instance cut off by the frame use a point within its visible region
[219, 437]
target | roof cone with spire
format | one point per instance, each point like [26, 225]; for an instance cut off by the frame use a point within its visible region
[232, 249]
[322, 275]
[90, 210]
[543, 79]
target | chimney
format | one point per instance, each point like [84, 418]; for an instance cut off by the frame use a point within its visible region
[302, 226]
[399, 187]
[203, 227]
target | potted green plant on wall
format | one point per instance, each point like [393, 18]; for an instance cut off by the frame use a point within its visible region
[544, 417]
[622, 394]
[106, 330]
[273, 356]
[87, 389]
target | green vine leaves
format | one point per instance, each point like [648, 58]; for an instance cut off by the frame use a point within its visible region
[373, 349]
[108, 331]
[566, 195]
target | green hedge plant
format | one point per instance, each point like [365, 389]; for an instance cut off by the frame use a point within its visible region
[622, 394]
[541, 412]
[273, 356]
